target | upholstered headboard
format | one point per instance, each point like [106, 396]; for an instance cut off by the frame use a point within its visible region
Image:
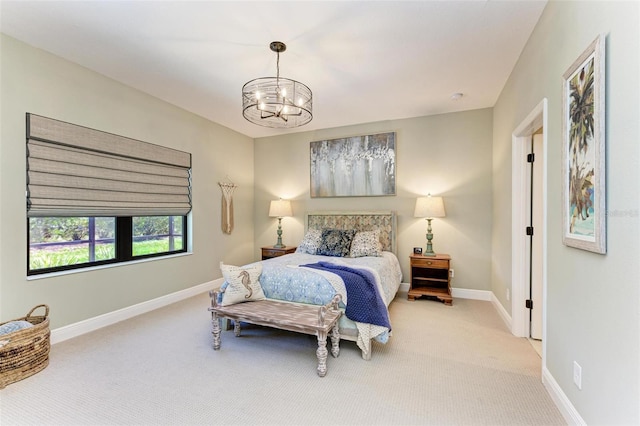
[385, 221]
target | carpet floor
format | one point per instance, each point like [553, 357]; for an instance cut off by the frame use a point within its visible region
[444, 365]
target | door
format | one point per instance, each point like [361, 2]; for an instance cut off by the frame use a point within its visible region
[535, 237]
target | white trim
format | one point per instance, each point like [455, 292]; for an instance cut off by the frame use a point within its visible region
[554, 390]
[501, 311]
[460, 293]
[567, 409]
[73, 330]
[519, 266]
[519, 284]
[107, 266]
[86, 326]
[61, 334]
[468, 293]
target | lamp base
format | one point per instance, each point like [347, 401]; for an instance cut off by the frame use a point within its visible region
[429, 251]
[279, 244]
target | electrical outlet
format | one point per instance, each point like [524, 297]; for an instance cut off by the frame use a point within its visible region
[508, 294]
[451, 273]
[577, 375]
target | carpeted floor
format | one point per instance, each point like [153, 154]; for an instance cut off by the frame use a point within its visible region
[444, 365]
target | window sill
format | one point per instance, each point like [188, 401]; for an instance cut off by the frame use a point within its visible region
[111, 265]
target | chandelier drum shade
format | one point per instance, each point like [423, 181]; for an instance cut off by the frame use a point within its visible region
[277, 102]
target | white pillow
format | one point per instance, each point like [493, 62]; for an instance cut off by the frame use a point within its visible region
[243, 284]
[366, 243]
[310, 242]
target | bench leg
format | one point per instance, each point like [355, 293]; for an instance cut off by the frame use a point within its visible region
[322, 353]
[215, 322]
[236, 328]
[335, 341]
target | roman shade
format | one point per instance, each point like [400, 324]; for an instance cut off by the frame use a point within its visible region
[77, 171]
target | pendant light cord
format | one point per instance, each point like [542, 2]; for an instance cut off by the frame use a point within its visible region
[278, 70]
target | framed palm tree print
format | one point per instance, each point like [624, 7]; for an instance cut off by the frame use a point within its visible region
[584, 174]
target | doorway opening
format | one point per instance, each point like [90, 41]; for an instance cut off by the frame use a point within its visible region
[529, 224]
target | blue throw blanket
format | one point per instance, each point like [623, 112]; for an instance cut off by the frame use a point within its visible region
[364, 303]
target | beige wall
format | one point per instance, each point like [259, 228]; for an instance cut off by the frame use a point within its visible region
[41, 83]
[592, 301]
[447, 155]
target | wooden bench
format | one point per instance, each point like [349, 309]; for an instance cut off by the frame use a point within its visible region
[298, 317]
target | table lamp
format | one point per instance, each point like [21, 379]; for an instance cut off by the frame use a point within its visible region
[429, 207]
[280, 208]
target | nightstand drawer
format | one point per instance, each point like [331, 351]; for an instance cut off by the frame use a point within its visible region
[272, 253]
[431, 263]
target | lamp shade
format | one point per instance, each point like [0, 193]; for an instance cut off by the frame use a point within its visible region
[429, 207]
[280, 208]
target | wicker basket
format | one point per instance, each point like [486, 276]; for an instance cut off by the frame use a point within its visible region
[25, 352]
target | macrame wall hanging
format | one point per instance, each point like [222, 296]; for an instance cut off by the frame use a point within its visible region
[227, 205]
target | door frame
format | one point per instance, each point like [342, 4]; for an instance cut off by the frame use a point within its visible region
[521, 142]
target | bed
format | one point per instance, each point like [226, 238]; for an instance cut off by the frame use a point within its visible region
[286, 278]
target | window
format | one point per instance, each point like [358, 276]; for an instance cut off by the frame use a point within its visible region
[95, 198]
[157, 234]
[57, 242]
[63, 243]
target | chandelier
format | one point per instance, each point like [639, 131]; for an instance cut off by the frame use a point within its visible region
[277, 102]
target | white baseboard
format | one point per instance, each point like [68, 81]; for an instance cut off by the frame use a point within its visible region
[73, 330]
[567, 409]
[559, 398]
[462, 293]
[467, 293]
[501, 311]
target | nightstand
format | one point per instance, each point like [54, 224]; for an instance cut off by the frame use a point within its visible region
[269, 252]
[430, 277]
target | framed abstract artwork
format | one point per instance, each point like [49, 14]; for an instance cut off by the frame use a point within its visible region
[584, 175]
[359, 166]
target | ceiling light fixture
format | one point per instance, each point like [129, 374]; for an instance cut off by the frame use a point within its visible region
[277, 102]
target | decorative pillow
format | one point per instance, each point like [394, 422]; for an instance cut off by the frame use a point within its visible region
[310, 242]
[366, 243]
[243, 284]
[336, 242]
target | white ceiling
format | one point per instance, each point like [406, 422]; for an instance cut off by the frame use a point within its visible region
[364, 61]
